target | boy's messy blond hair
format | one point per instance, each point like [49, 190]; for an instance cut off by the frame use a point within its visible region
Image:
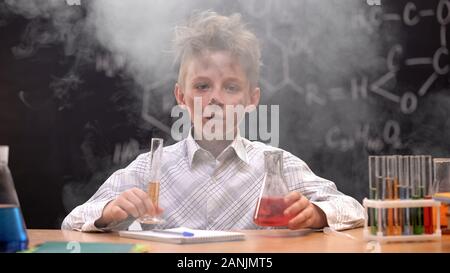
[208, 31]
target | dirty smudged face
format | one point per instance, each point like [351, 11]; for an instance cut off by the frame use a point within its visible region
[216, 92]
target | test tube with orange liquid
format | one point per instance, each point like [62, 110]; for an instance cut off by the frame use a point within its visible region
[392, 189]
[153, 186]
[441, 169]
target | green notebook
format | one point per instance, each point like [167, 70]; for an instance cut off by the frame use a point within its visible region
[78, 247]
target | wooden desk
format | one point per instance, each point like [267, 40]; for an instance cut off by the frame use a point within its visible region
[268, 241]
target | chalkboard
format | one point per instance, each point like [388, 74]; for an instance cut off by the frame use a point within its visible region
[84, 85]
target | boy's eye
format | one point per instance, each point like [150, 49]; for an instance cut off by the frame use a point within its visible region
[202, 86]
[232, 88]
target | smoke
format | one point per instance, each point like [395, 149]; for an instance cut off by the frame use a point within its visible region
[318, 42]
[308, 46]
[117, 36]
[333, 36]
[137, 33]
[122, 39]
[304, 41]
[50, 23]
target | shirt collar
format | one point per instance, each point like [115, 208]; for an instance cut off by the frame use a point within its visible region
[237, 146]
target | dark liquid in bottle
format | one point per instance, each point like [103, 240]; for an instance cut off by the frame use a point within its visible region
[271, 212]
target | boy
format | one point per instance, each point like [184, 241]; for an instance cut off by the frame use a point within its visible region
[209, 180]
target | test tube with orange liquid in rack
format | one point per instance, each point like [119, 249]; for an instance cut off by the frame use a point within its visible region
[392, 189]
[404, 192]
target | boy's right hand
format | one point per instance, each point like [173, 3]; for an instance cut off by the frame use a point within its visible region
[133, 202]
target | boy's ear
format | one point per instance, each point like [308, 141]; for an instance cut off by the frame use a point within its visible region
[255, 96]
[179, 95]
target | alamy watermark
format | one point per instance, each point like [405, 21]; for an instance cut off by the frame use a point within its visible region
[214, 122]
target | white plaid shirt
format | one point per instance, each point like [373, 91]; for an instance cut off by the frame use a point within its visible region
[203, 192]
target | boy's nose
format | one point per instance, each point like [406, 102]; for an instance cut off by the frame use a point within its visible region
[216, 97]
[213, 101]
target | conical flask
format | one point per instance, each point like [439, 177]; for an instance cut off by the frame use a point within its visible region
[271, 205]
[13, 236]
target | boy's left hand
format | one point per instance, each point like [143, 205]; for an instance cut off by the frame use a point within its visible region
[304, 213]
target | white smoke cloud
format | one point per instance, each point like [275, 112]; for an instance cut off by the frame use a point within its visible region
[315, 36]
[137, 32]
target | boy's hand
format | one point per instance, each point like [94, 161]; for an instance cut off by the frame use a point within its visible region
[134, 202]
[305, 214]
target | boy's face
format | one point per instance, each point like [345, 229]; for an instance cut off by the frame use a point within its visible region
[219, 80]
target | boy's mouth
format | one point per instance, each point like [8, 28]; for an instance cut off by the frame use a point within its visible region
[214, 116]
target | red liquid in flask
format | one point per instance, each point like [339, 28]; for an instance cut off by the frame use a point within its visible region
[271, 212]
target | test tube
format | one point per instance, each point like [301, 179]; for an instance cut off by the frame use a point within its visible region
[397, 211]
[417, 192]
[404, 192]
[380, 174]
[373, 193]
[427, 176]
[394, 227]
[153, 186]
[441, 170]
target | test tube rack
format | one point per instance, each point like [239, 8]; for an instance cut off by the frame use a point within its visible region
[381, 205]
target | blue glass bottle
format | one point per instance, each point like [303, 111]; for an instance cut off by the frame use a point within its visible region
[13, 236]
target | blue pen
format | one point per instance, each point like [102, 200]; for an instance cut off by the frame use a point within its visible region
[183, 233]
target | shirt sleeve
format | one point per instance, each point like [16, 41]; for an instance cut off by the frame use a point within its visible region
[83, 217]
[342, 211]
